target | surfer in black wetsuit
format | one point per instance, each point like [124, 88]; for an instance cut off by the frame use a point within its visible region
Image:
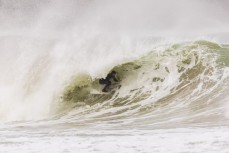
[107, 81]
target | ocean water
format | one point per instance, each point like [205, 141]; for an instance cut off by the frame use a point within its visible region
[171, 57]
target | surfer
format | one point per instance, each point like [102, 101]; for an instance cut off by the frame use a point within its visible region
[107, 81]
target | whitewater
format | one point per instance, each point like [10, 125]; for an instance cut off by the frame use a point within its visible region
[171, 57]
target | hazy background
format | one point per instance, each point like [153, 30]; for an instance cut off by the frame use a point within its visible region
[157, 18]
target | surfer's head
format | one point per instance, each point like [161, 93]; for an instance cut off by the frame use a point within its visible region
[113, 72]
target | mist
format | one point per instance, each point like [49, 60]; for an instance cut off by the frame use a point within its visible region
[133, 18]
[43, 43]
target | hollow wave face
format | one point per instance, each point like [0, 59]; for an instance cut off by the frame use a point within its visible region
[172, 85]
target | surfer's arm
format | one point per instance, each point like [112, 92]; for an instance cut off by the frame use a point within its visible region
[115, 78]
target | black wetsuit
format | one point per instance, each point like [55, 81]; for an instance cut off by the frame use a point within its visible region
[107, 81]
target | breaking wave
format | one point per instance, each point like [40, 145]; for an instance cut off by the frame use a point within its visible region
[182, 83]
